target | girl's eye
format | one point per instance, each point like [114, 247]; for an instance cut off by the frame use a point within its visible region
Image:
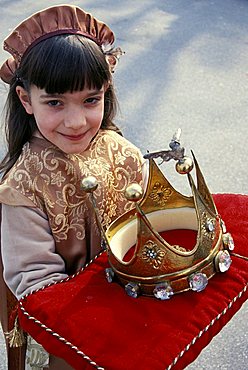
[54, 103]
[92, 100]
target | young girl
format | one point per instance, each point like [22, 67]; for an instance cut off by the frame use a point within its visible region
[59, 126]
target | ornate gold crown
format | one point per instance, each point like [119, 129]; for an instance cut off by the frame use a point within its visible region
[157, 268]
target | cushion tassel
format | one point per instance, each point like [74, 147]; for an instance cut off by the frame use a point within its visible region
[15, 336]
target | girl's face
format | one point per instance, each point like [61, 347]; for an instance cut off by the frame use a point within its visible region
[70, 120]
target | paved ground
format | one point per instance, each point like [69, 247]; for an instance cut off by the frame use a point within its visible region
[186, 65]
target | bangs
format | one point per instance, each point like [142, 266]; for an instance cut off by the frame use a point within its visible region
[66, 63]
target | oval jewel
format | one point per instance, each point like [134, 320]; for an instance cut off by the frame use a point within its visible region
[210, 226]
[132, 289]
[228, 241]
[223, 261]
[198, 281]
[163, 291]
[109, 273]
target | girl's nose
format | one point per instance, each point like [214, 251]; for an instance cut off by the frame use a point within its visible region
[75, 118]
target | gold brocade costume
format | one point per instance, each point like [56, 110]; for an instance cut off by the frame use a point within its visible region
[46, 178]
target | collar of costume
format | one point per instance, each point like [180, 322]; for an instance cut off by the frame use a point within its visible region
[56, 20]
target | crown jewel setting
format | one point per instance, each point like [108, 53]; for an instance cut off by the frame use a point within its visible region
[140, 258]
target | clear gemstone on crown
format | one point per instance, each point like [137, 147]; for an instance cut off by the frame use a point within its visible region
[198, 281]
[223, 261]
[228, 241]
[223, 226]
[210, 225]
[163, 291]
[109, 274]
[132, 289]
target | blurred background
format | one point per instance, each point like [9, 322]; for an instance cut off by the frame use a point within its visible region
[185, 65]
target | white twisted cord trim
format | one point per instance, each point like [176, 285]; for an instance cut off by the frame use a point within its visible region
[60, 338]
[87, 358]
[207, 328]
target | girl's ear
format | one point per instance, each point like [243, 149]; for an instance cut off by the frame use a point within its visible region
[24, 99]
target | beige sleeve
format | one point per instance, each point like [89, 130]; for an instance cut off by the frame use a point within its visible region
[28, 250]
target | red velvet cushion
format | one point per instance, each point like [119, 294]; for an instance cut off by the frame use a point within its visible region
[87, 319]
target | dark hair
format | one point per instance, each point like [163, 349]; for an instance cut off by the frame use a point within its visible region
[59, 64]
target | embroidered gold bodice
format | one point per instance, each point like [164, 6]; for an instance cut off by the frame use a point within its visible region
[49, 179]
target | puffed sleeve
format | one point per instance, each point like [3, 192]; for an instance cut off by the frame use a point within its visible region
[28, 250]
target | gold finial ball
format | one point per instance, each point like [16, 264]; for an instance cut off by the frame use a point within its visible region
[89, 184]
[134, 192]
[184, 165]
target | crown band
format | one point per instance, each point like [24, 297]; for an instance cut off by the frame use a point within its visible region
[180, 280]
[179, 285]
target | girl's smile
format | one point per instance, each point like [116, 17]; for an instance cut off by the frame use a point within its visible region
[74, 137]
[70, 120]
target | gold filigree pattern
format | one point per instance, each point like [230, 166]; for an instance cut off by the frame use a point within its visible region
[160, 194]
[51, 180]
[152, 254]
[179, 248]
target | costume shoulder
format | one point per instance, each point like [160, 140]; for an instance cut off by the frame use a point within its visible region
[30, 175]
[121, 148]
[115, 163]
[12, 197]
[110, 154]
[121, 140]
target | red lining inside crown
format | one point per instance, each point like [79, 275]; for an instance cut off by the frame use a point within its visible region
[182, 237]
